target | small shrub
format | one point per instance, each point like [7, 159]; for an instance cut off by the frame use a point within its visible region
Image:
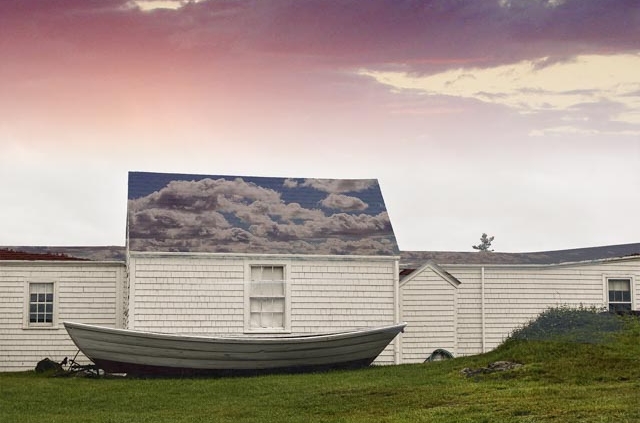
[570, 324]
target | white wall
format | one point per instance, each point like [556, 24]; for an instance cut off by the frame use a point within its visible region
[87, 292]
[513, 295]
[428, 306]
[204, 293]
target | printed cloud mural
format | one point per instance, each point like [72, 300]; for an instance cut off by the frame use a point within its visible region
[199, 213]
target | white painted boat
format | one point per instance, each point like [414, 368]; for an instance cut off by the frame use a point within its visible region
[148, 353]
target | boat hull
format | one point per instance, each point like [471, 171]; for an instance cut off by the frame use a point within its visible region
[144, 353]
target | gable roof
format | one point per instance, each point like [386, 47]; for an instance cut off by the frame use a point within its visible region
[446, 276]
[411, 260]
[212, 213]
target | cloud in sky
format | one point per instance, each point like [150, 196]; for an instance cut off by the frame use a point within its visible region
[147, 5]
[532, 86]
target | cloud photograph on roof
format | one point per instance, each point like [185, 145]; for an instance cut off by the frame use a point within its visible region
[221, 214]
[518, 118]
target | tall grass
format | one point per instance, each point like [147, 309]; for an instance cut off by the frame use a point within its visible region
[564, 378]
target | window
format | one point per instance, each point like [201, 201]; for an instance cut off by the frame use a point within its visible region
[40, 304]
[267, 298]
[619, 294]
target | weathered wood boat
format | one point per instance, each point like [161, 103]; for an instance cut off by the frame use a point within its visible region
[147, 353]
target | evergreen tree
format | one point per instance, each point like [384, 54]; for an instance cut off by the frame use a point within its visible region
[485, 243]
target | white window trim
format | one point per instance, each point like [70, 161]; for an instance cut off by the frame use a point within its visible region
[605, 288]
[286, 265]
[26, 324]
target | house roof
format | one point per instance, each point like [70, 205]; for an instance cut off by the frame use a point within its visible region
[411, 260]
[34, 253]
[220, 214]
[408, 274]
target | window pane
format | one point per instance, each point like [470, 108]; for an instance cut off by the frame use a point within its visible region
[619, 284]
[254, 320]
[273, 305]
[267, 289]
[267, 273]
[255, 305]
[271, 320]
[619, 308]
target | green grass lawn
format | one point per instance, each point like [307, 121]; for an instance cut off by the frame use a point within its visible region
[563, 379]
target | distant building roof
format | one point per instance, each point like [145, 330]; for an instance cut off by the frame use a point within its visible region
[415, 259]
[62, 253]
[208, 213]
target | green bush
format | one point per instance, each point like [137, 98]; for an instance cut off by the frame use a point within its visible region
[570, 324]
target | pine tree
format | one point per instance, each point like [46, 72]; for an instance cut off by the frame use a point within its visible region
[485, 243]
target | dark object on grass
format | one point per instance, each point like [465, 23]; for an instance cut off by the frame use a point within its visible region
[497, 366]
[47, 365]
[439, 355]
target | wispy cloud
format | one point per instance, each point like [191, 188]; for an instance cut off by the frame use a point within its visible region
[148, 5]
[528, 87]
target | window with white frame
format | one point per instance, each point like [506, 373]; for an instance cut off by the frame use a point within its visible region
[619, 294]
[41, 303]
[267, 298]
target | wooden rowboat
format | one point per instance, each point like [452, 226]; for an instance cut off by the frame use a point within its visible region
[146, 353]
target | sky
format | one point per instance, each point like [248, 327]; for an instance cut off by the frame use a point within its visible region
[518, 118]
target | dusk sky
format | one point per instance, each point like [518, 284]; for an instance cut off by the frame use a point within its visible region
[518, 118]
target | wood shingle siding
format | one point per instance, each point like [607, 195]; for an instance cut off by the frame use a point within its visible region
[205, 294]
[488, 310]
[86, 291]
[428, 306]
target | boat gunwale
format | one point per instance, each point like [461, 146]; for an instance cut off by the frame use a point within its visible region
[240, 339]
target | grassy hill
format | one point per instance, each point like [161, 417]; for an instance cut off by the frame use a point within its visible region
[577, 366]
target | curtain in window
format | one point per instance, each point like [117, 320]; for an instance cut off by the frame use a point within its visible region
[267, 297]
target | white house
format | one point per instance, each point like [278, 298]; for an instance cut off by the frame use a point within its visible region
[469, 303]
[228, 255]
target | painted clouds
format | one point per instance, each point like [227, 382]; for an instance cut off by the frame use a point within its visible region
[221, 214]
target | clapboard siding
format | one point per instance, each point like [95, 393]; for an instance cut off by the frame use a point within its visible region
[86, 292]
[513, 295]
[428, 306]
[204, 294]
